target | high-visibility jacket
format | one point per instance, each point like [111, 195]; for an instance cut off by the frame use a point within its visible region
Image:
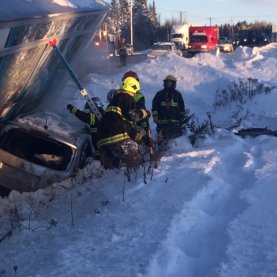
[140, 104]
[116, 125]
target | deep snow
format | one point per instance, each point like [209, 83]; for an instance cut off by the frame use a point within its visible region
[208, 210]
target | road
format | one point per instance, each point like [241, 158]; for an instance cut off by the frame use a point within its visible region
[97, 60]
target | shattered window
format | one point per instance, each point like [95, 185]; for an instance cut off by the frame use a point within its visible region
[37, 149]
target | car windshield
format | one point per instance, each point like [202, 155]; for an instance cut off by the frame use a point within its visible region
[162, 47]
[36, 149]
[222, 41]
[177, 36]
[198, 39]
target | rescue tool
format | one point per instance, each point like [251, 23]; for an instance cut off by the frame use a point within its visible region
[83, 91]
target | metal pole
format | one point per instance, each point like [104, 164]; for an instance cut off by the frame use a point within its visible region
[131, 27]
[83, 91]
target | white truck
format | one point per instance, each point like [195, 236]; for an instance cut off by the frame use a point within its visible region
[180, 36]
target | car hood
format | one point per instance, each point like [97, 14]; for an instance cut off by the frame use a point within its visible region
[50, 123]
[158, 52]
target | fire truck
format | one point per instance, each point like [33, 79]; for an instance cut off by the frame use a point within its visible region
[203, 38]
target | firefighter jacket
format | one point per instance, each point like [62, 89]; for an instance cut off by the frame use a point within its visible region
[168, 108]
[140, 104]
[116, 125]
[91, 119]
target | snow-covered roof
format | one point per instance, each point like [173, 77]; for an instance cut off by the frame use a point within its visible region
[33, 8]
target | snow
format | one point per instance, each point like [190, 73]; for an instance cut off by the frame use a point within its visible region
[35, 8]
[208, 210]
[79, 3]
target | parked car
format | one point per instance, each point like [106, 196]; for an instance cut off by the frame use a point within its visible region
[225, 45]
[40, 149]
[163, 48]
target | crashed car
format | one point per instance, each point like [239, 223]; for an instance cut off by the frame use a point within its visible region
[40, 149]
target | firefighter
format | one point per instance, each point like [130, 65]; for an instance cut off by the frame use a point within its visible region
[89, 117]
[168, 110]
[118, 140]
[140, 104]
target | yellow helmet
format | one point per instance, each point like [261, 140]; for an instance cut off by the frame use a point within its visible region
[130, 84]
[170, 78]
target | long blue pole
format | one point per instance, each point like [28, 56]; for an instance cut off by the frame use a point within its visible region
[83, 91]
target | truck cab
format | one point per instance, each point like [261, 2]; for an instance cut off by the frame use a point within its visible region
[203, 38]
[180, 36]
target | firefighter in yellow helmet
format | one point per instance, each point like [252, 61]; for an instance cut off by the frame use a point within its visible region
[117, 137]
[168, 110]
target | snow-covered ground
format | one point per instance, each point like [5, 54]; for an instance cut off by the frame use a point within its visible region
[208, 210]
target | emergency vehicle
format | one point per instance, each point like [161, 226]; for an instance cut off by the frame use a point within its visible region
[203, 38]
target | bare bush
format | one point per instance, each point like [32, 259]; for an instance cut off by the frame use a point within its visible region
[240, 92]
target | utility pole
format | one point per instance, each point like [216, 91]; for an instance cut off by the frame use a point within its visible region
[131, 21]
[182, 16]
[232, 27]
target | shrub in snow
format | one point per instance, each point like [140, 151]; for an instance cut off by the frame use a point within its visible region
[237, 98]
[241, 92]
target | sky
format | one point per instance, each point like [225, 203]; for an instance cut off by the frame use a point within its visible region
[207, 210]
[206, 12]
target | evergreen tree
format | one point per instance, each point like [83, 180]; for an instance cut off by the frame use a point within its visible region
[144, 28]
[111, 21]
[153, 14]
[124, 12]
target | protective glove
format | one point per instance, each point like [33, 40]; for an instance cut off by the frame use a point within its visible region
[70, 107]
[136, 115]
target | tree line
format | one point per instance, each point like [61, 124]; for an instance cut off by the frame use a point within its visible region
[147, 29]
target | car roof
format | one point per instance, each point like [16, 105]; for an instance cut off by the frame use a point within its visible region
[163, 43]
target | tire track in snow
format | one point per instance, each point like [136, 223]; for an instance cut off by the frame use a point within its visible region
[193, 246]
